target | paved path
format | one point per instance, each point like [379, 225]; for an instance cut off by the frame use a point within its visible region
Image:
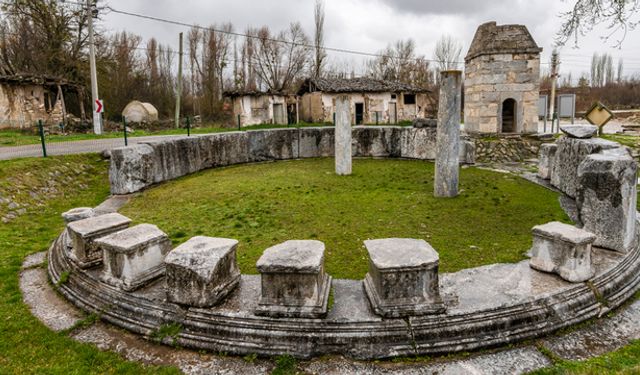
[76, 147]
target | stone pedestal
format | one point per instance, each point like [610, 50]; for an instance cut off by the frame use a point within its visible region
[134, 257]
[74, 214]
[343, 135]
[545, 160]
[402, 278]
[294, 283]
[85, 253]
[562, 249]
[448, 135]
[202, 271]
[607, 198]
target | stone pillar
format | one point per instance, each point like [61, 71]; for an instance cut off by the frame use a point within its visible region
[448, 135]
[343, 135]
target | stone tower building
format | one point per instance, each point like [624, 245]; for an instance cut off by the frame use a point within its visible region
[502, 80]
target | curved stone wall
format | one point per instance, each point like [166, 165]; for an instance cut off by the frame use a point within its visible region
[483, 307]
[135, 167]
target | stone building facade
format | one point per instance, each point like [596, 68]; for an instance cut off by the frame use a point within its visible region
[502, 80]
[263, 107]
[372, 101]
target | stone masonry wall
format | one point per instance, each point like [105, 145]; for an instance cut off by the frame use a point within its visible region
[506, 149]
[490, 80]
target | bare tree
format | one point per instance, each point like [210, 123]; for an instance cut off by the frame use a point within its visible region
[620, 67]
[320, 54]
[619, 16]
[281, 60]
[399, 62]
[447, 53]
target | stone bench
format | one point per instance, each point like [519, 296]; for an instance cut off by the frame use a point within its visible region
[294, 283]
[85, 253]
[201, 271]
[134, 257]
[562, 249]
[402, 278]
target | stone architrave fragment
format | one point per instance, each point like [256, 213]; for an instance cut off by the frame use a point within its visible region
[579, 131]
[74, 214]
[545, 160]
[134, 257]
[403, 278]
[607, 198]
[202, 271]
[294, 283]
[569, 154]
[343, 135]
[562, 249]
[85, 252]
[448, 135]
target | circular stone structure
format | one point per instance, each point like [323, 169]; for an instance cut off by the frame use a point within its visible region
[484, 307]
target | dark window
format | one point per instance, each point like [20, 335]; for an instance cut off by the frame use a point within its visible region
[409, 99]
[393, 96]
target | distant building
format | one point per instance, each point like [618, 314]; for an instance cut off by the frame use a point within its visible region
[26, 99]
[372, 100]
[502, 80]
[140, 112]
[263, 107]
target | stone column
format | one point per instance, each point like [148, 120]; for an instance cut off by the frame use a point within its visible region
[343, 135]
[448, 135]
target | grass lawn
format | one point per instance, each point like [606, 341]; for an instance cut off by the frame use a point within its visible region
[264, 204]
[9, 137]
[26, 346]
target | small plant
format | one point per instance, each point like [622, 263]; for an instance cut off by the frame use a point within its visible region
[285, 365]
[250, 358]
[64, 277]
[170, 330]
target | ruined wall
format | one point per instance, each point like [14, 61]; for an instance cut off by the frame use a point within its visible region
[22, 106]
[257, 109]
[490, 80]
[319, 107]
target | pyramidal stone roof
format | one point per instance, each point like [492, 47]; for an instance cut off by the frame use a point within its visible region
[493, 39]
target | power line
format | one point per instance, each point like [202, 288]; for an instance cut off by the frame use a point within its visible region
[291, 43]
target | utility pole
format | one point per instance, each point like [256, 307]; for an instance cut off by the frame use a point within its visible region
[554, 77]
[97, 117]
[179, 89]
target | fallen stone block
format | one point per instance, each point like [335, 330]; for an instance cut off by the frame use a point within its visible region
[562, 249]
[545, 159]
[294, 283]
[85, 252]
[403, 278]
[579, 131]
[569, 154]
[134, 257]
[607, 198]
[202, 271]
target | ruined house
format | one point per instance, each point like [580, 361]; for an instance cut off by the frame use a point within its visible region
[372, 101]
[263, 107]
[25, 99]
[502, 80]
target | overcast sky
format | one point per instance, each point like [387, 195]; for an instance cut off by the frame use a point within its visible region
[369, 25]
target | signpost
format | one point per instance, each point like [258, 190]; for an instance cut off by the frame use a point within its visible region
[567, 106]
[99, 106]
[599, 115]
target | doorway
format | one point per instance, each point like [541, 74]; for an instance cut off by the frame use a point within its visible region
[278, 114]
[509, 107]
[359, 113]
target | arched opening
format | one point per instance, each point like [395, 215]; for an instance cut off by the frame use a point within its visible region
[509, 116]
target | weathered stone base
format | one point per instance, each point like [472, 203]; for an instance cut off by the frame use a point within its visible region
[399, 311]
[311, 312]
[129, 285]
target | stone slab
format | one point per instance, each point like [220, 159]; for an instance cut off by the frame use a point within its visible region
[564, 232]
[83, 234]
[400, 253]
[579, 131]
[295, 256]
[130, 240]
[78, 213]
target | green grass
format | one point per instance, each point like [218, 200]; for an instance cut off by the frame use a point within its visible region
[632, 141]
[264, 204]
[27, 346]
[623, 361]
[10, 137]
